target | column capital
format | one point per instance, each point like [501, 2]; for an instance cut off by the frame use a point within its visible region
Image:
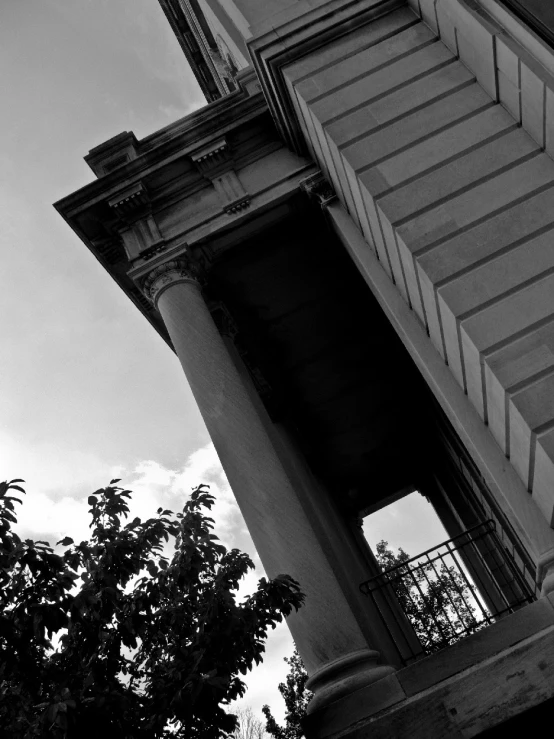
[170, 273]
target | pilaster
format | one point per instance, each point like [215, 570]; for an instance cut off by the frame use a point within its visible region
[215, 163]
[139, 229]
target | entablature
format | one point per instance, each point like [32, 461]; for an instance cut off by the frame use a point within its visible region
[207, 179]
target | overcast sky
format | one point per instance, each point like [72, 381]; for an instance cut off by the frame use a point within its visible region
[88, 390]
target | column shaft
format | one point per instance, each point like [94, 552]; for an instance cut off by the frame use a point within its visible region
[328, 633]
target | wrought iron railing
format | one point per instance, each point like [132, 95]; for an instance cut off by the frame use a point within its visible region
[433, 600]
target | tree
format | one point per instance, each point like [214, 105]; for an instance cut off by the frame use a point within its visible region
[248, 726]
[113, 638]
[296, 697]
[435, 598]
[437, 602]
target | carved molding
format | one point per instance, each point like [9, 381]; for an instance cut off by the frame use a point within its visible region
[213, 158]
[110, 249]
[142, 236]
[318, 188]
[170, 273]
[215, 163]
[131, 203]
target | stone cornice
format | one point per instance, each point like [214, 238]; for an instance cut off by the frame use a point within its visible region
[305, 29]
[186, 135]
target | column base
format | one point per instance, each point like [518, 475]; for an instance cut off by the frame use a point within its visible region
[345, 675]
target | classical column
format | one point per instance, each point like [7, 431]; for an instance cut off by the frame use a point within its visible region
[335, 644]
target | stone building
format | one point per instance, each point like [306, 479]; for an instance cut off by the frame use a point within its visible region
[351, 251]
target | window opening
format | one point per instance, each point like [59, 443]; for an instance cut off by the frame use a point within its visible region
[455, 587]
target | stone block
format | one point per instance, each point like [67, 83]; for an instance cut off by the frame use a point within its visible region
[366, 224]
[511, 369]
[509, 96]
[447, 29]
[338, 177]
[349, 44]
[549, 126]
[543, 478]
[526, 357]
[511, 315]
[430, 308]
[429, 15]
[507, 59]
[497, 324]
[481, 160]
[383, 144]
[496, 408]
[380, 82]
[519, 436]
[385, 109]
[487, 239]
[452, 339]
[308, 124]
[487, 283]
[499, 276]
[529, 409]
[391, 246]
[475, 32]
[477, 203]
[412, 278]
[532, 103]
[365, 62]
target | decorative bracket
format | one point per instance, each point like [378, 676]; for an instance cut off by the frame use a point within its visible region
[142, 236]
[318, 189]
[215, 163]
[131, 203]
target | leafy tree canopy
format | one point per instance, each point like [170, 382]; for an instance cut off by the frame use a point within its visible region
[113, 638]
[434, 596]
[296, 697]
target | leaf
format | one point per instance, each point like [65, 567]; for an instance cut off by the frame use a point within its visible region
[117, 479]
[92, 500]
[65, 542]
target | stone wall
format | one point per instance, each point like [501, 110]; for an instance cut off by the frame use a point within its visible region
[440, 149]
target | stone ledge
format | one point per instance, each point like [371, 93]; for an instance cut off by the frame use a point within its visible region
[517, 675]
[492, 640]
[476, 700]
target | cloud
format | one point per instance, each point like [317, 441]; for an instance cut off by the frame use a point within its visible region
[154, 485]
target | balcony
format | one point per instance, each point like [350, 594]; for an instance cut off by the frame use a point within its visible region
[455, 589]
